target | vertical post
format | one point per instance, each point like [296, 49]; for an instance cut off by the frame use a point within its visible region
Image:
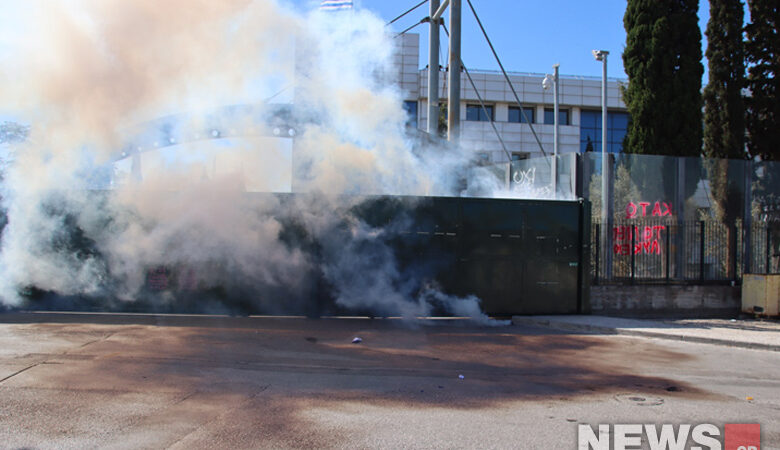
[575, 174]
[604, 181]
[598, 251]
[668, 250]
[633, 251]
[453, 104]
[608, 262]
[583, 271]
[768, 247]
[601, 55]
[747, 220]
[701, 250]
[734, 248]
[680, 238]
[433, 71]
[555, 133]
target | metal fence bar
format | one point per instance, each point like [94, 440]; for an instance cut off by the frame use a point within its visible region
[749, 253]
[733, 274]
[768, 249]
[701, 251]
[668, 250]
[645, 252]
[597, 250]
[633, 252]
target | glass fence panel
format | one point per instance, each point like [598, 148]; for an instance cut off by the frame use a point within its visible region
[531, 178]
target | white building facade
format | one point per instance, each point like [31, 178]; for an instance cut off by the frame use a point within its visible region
[579, 109]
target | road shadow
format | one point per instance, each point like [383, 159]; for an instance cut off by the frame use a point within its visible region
[288, 365]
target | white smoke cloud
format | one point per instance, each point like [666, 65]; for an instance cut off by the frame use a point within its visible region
[83, 73]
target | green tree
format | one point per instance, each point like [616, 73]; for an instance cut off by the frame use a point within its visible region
[724, 109]
[724, 116]
[662, 59]
[763, 58]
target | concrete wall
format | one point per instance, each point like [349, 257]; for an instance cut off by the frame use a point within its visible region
[687, 301]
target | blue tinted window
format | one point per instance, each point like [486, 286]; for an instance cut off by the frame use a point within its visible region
[590, 130]
[516, 117]
[588, 138]
[477, 114]
[619, 121]
[411, 111]
[563, 116]
[588, 119]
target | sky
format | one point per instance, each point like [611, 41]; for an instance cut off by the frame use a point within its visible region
[530, 36]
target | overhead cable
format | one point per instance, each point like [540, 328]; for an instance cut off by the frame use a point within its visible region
[517, 98]
[411, 27]
[407, 12]
[482, 104]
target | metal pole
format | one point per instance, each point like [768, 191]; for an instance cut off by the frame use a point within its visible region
[601, 55]
[633, 251]
[701, 250]
[680, 237]
[604, 165]
[555, 133]
[453, 103]
[747, 219]
[734, 247]
[438, 12]
[668, 250]
[433, 71]
[768, 247]
[598, 250]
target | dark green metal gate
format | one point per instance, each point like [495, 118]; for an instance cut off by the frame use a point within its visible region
[518, 256]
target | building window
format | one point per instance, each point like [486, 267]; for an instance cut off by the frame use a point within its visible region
[516, 117]
[590, 130]
[549, 116]
[519, 156]
[477, 114]
[410, 107]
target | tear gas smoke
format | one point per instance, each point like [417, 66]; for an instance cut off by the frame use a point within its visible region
[84, 73]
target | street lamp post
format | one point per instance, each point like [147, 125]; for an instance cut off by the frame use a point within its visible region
[433, 72]
[601, 55]
[553, 80]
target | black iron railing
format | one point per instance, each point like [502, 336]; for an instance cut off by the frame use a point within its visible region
[693, 252]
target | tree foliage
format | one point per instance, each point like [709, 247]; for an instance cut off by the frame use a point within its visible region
[724, 109]
[663, 61]
[763, 58]
[724, 114]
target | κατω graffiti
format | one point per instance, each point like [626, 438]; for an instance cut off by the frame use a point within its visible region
[660, 209]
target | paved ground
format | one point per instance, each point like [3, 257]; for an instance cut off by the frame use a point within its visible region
[758, 334]
[109, 381]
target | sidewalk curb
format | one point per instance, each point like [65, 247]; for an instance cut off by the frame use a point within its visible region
[588, 328]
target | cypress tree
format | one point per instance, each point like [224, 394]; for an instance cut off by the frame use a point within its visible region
[662, 59]
[724, 110]
[724, 116]
[763, 58]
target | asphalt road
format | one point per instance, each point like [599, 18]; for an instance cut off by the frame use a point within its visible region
[108, 381]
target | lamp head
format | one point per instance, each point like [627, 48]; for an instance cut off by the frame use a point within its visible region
[600, 54]
[547, 83]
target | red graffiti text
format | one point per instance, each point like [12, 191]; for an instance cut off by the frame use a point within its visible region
[640, 209]
[645, 239]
